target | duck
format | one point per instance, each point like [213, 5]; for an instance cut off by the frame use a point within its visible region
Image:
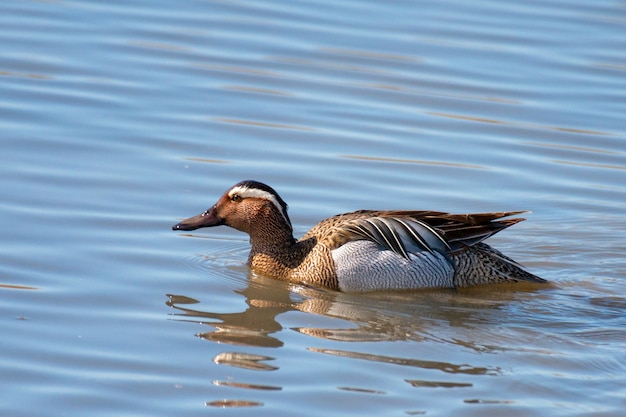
[365, 250]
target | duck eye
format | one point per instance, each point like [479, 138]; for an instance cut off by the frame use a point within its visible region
[236, 198]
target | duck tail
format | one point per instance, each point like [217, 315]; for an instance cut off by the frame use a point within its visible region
[481, 264]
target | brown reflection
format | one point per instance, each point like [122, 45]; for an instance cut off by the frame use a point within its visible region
[479, 401]
[245, 361]
[418, 363]
[257, 90]
[233, 403]
[468, 118]
[412, 161]
[372, 317]
[570, 147]
[519, 124]
[580, 131]
[261, 124]
[209, 161]
[244, 385]
[33, 76]
[589, 165]
[427, 315]
[438, 384]
[251, 327]
[436, 316]
[361, 390]
[17, 287]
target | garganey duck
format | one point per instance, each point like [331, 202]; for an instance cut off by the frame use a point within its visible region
[365, 250]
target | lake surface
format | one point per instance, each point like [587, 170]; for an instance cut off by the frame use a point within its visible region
[118, 119]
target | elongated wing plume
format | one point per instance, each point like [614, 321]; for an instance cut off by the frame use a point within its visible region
[401, 235]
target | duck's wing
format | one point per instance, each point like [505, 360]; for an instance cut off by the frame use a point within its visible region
[463, 230]
[401, 235]
[411, 231]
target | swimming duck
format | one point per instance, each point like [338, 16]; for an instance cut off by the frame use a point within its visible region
[365, 250]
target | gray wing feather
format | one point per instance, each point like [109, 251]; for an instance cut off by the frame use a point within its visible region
[430, 235]
[386, 235]
[402, 236]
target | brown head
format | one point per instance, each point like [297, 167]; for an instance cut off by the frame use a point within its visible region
[249, 206]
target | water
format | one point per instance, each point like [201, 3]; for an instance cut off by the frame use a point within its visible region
[117, 120]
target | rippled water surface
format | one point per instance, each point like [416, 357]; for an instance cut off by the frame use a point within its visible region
[118, 119]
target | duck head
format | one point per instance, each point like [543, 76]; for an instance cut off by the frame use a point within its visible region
[248, 206]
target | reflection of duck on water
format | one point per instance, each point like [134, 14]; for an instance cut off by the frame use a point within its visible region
[374, 317]
[365, 250]
[341, 319]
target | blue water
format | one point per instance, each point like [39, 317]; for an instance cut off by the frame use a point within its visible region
[117, 120]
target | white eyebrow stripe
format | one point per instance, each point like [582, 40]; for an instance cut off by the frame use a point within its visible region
[245, 192]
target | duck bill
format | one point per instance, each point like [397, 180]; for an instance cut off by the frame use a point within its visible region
[207, 219]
